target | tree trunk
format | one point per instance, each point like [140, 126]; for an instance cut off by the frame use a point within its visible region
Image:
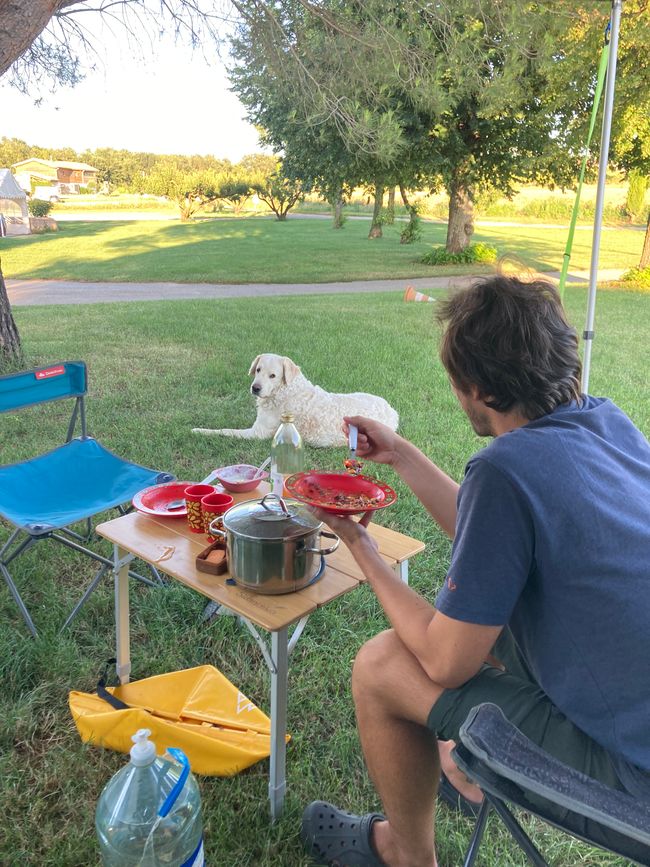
[402, 192]
[645, 254]
[337, 207]
[389, 217]
[460, 227]
[21, 23]
[9, 338]
[375, 226]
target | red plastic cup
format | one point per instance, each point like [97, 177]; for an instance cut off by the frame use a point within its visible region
[193, 496]
[214, 505]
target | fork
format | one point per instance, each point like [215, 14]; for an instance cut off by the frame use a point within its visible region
[352, 441]
[352, 465]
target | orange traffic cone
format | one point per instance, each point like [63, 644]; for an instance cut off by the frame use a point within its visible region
[411, 295]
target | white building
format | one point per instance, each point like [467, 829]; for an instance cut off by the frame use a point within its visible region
[14, 215]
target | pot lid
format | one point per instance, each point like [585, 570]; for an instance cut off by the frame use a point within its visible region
[271, 518]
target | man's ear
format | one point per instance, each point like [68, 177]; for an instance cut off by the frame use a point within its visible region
[290, 370]
[254, 365]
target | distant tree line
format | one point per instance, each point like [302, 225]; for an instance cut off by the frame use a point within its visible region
[193, 182]
[128, 171]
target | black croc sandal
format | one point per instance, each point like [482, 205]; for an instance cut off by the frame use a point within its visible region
[340, 839]
[449, 794]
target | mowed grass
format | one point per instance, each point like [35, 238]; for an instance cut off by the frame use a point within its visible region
[263, 250]
[156, 370]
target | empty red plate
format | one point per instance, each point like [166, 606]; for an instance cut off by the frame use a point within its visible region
[156, 499]
[340, 493]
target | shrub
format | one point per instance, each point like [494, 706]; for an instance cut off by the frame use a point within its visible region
[640, 277]
[39, 207]
[413, 230]
[472, 253]
[638, 185]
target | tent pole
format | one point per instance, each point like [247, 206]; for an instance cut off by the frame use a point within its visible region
[588, 334]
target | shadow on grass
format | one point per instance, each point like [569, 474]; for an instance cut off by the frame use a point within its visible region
[264, 250]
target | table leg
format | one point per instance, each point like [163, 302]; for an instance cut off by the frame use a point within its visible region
[121, 562]
[402, 570]
[279, 689]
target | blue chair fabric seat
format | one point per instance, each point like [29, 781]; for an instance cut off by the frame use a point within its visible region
[69, 484]
[46, 496]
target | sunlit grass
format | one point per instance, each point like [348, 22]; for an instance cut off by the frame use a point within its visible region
[156, 370]
[263, 250]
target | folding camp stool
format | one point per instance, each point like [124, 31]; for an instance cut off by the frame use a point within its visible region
[507, 766]
[44, 496]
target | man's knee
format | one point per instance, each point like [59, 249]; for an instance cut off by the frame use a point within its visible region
[375, 656]
[388, 678]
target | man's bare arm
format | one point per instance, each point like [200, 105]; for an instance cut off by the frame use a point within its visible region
[434, 489]
[450, 651]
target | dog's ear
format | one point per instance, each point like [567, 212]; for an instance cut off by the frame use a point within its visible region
[290, 370]
[254, 365]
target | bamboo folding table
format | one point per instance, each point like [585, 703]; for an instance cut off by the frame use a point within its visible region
[168, 544]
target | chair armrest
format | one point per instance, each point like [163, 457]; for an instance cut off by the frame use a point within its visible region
[502, 748]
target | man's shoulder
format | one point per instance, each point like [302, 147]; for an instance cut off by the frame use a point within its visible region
[587, 430]
[542, 434]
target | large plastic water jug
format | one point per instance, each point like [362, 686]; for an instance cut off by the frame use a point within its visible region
[149, 813]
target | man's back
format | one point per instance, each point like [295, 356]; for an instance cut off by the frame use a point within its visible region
[554, 539]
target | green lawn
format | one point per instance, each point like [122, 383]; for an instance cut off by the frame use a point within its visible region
[157, 369]
[264, 250]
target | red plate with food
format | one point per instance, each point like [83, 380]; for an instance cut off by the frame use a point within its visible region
[165, 500]
[340, 493]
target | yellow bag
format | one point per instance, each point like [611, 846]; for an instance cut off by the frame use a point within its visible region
[198, 710]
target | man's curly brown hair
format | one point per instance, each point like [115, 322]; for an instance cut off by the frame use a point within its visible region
[511, 340]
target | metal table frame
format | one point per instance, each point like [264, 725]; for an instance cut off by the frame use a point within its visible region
[276, 657]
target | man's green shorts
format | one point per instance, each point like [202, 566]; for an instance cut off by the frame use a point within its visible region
[530, 709]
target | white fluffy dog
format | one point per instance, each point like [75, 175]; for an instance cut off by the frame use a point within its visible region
[279, 387]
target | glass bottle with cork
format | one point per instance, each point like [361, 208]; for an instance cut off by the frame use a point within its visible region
[287, 453]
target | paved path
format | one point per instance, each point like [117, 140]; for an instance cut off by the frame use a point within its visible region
[38, 292]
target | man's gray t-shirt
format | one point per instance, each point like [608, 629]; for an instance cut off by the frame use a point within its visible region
[553, 539]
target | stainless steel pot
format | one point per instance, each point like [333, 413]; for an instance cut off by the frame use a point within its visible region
[273, 544]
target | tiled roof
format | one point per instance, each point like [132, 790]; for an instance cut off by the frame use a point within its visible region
[57, 164]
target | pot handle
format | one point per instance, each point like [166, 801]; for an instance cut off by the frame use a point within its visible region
[214, 531]
[271, 496]
[329, 550]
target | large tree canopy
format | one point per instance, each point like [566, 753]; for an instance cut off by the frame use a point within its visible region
[447, 93]
[466, 93]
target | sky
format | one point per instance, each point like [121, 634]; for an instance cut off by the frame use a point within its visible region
[173, 102]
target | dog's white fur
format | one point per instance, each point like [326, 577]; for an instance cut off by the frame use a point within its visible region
[279, 386]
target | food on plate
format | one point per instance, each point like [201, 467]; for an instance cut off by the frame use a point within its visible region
[321, 496]
[340, 493]
[352, 466]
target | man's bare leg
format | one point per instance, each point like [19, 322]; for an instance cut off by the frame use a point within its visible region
[393, 697]
[455, 776]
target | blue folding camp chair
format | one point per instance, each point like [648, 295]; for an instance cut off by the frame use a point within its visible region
[42, 497]
[508, 767]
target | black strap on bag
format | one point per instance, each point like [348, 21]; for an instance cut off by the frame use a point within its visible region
[102, 692]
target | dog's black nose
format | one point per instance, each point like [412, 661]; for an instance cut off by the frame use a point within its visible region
[256, 389]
